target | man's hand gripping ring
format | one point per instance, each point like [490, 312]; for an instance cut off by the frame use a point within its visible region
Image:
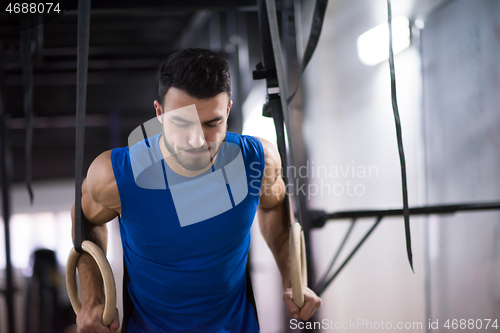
[107, 276]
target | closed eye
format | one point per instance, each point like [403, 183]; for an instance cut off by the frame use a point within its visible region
[182, 125]
[212, 123]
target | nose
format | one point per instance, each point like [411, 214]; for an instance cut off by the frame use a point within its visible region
[196, 137]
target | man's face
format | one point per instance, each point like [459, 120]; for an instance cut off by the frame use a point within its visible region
[193, 129]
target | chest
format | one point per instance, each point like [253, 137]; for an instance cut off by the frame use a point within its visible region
[152, 227]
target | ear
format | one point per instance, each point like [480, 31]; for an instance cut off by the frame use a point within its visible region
[159, 111]
[229, 105]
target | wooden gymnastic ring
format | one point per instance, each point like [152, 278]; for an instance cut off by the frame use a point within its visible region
[298, 264]
[107, 276]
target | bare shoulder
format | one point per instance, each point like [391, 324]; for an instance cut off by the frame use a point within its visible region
[272, 188]
[101, 182]
[271, 155]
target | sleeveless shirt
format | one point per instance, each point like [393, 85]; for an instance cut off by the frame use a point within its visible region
[186, 239]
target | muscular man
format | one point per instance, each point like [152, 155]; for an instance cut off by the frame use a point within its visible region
[186, 199]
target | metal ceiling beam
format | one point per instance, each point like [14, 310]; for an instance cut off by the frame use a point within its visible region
[111, 64]
[59, 122]
[129, 50]
[99, 78]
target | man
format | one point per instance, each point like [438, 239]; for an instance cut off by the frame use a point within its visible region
[186, 200]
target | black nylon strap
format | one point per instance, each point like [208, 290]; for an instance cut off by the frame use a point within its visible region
[273, 108]
[5, 178]
[406, 209]
[81, 95]
[268, 67]
[316, 26]
[27, 62]
[275, 104]
[285, 109]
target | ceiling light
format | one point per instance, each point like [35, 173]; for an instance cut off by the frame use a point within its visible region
[373, 45]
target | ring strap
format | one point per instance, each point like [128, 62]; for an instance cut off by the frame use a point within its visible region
[285, 109]
[316, 26]
[399, 135]
[27, 61]
[81, 232]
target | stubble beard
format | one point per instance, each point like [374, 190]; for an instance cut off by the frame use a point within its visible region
[197, 164]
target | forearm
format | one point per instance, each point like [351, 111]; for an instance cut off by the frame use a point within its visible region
[91, 284]
[273, 224]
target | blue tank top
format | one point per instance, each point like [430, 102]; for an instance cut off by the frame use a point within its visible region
[186, 239]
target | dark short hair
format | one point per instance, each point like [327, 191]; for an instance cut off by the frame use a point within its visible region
[198, 72]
